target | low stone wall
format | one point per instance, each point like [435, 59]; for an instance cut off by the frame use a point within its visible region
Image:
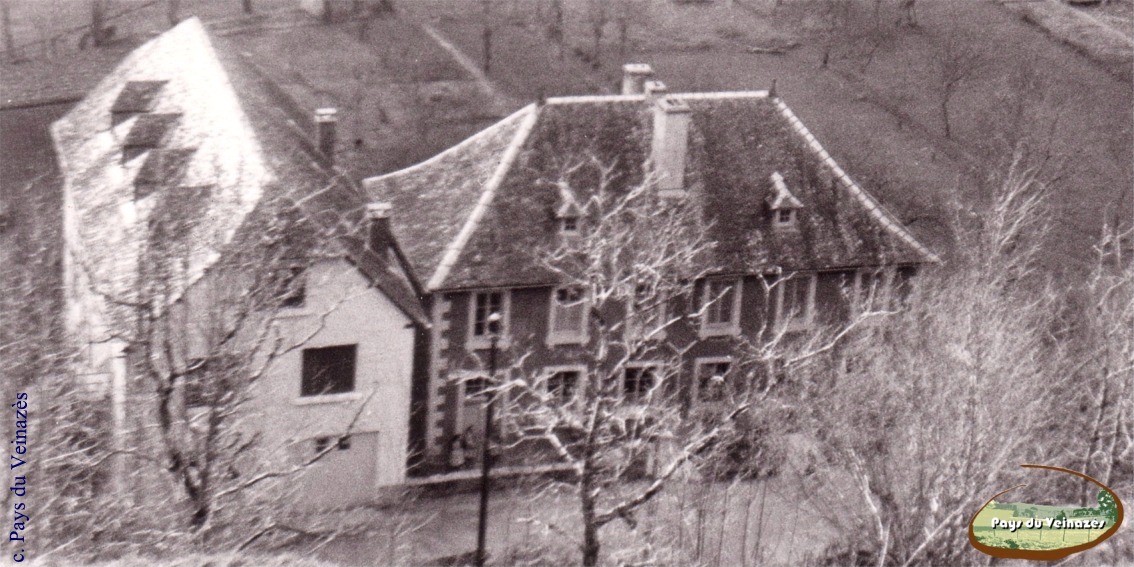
[1103, 44]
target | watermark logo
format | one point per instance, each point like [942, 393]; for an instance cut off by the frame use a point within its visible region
[1019, 530]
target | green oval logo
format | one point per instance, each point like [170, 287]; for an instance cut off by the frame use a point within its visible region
[1020, 530]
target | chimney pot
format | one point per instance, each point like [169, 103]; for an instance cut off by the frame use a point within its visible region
[378, 211]
[634, 77]
[380, 239]
[325, 123]
[655, 90]
[670, 144]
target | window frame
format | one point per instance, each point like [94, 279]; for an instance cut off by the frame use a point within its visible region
[295, 296]
[656, 365]
[778, 220]
[569, 225]
[808, 319]
[484, 341]
[632, 330]
[699, 363]
[353, 389]
[549, 371]
[560, 337]
[888, 277]
[732, 327]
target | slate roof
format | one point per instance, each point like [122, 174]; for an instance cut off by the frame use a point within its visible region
[233, 156]
[473, 231]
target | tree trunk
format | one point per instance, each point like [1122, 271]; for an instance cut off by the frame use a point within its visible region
[587, 499]
[9, 40]
[173, 13]
[97, 23]
[590, 528]
[945, 115]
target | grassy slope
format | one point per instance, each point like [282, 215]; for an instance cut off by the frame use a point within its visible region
[882, 123]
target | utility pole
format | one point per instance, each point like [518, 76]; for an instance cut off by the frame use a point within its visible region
[486, 445]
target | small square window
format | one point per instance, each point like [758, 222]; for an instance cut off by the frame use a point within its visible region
[321, 444]
[638, 381]
[328, 370]
[712, 379]
[569, 225]
[485, 304]
[562, 385]
[476, 387]
[324, 443]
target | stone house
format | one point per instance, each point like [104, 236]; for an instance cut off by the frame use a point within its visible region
[473, 219]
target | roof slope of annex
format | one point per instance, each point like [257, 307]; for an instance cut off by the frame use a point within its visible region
[488, 233]
[238, 153]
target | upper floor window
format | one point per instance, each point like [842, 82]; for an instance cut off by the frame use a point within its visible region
[328, 370]
[712, 378]
[293, 290]
[874, 290]
[722, 307]
[795, 301]
[646, 314]
[567, 322]
[484, 326]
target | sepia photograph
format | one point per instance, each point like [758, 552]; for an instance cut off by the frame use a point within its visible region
[442, 283]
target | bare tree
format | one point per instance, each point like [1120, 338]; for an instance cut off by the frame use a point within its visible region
[598, 14]
[955, 61]
[939, 403]
[631, 271]
[9, 40]
[1102, 368]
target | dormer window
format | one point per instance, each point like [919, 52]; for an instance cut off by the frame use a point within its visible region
[782, 204]
[568, 214]
[569, 225]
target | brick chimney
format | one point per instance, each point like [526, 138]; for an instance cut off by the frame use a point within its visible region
[654, 90]
[326, 120]
[670, 144]
[379, 238]
[634, 77]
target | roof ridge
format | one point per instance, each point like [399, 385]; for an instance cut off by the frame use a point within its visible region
[875, 208]
[453, 250]
[366, 182]
[582, 99]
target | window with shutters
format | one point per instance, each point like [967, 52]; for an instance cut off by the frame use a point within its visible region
[567, 322]
[721, 315]
[795, 301]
